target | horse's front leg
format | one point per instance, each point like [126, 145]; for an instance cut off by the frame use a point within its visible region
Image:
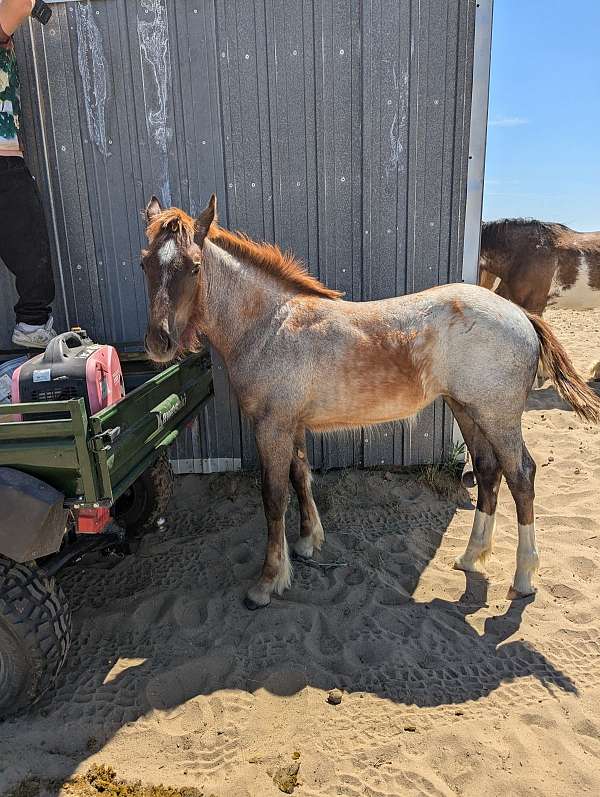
[275, 447]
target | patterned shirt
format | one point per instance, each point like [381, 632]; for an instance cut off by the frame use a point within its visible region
[10, 101]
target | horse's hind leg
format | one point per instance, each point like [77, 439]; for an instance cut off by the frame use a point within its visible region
[311, 530]
[519, 471]
[488, 474]
[275, 451]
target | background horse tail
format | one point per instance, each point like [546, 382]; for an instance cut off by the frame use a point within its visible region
[559, 368]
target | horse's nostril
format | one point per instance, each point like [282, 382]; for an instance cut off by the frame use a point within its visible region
[164, 338]
[157, 340]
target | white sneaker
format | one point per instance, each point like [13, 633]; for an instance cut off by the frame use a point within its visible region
[34, 337]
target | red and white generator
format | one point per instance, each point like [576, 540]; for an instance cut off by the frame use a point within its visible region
[72, 367]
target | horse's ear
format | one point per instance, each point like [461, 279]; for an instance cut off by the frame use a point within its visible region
[153, 208]
[205, 219]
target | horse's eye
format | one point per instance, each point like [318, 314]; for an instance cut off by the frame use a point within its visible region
[196, 268]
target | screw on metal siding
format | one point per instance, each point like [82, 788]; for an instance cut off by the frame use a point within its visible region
[342, 179]
[294, 52]
[341, 52]
[247, 56]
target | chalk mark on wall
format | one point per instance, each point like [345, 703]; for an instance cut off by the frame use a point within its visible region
[92, 68]
[398, 126]
[153, 36]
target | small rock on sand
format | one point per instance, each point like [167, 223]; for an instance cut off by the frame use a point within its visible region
[334, 697]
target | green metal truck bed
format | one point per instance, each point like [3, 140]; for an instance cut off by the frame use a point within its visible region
[93, 459]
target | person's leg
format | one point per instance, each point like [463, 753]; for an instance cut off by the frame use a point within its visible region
[24, 244]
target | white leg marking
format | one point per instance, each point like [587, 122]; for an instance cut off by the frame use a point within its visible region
[318, 535]
[304, 546]
[479, 546]
[283, 580]
[527, 562]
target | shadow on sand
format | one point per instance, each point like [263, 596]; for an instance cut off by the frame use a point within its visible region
[546, 398]
[154, 630]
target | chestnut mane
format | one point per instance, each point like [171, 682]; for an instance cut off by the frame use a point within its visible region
[270, 259]
[264, 256]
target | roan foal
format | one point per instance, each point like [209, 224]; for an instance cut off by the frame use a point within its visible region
[300, 358]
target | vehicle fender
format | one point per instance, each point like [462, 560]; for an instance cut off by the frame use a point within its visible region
[32, 516]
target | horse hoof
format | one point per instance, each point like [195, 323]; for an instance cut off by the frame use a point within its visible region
[466, 567]
[515, 595]
[302, 549]
[252, 605]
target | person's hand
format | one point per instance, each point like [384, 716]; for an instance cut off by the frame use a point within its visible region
[13, 13]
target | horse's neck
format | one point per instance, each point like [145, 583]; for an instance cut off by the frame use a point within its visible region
[237, 299]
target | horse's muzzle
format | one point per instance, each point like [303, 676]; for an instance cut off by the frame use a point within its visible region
[159, 344]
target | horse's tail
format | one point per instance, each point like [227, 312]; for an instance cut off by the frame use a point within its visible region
[569, 385]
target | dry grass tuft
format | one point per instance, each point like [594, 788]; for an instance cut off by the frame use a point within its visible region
[99, 779]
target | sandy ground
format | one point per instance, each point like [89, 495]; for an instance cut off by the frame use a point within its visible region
[449, 688]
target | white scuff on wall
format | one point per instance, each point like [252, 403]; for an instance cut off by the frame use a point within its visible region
[153, 37]
[93, 69]
[398, 126]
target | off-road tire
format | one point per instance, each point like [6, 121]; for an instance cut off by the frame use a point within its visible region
[35, 634]
[147, 499]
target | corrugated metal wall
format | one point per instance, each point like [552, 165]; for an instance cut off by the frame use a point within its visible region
[337, 128]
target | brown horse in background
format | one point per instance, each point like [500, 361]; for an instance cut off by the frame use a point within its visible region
[300, 358]
[540, 264]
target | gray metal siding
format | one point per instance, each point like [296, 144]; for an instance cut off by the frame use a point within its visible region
[338, 129]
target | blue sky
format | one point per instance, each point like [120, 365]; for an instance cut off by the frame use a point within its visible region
[543, 146]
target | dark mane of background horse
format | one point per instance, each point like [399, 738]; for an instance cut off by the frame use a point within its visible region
[501, 232]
